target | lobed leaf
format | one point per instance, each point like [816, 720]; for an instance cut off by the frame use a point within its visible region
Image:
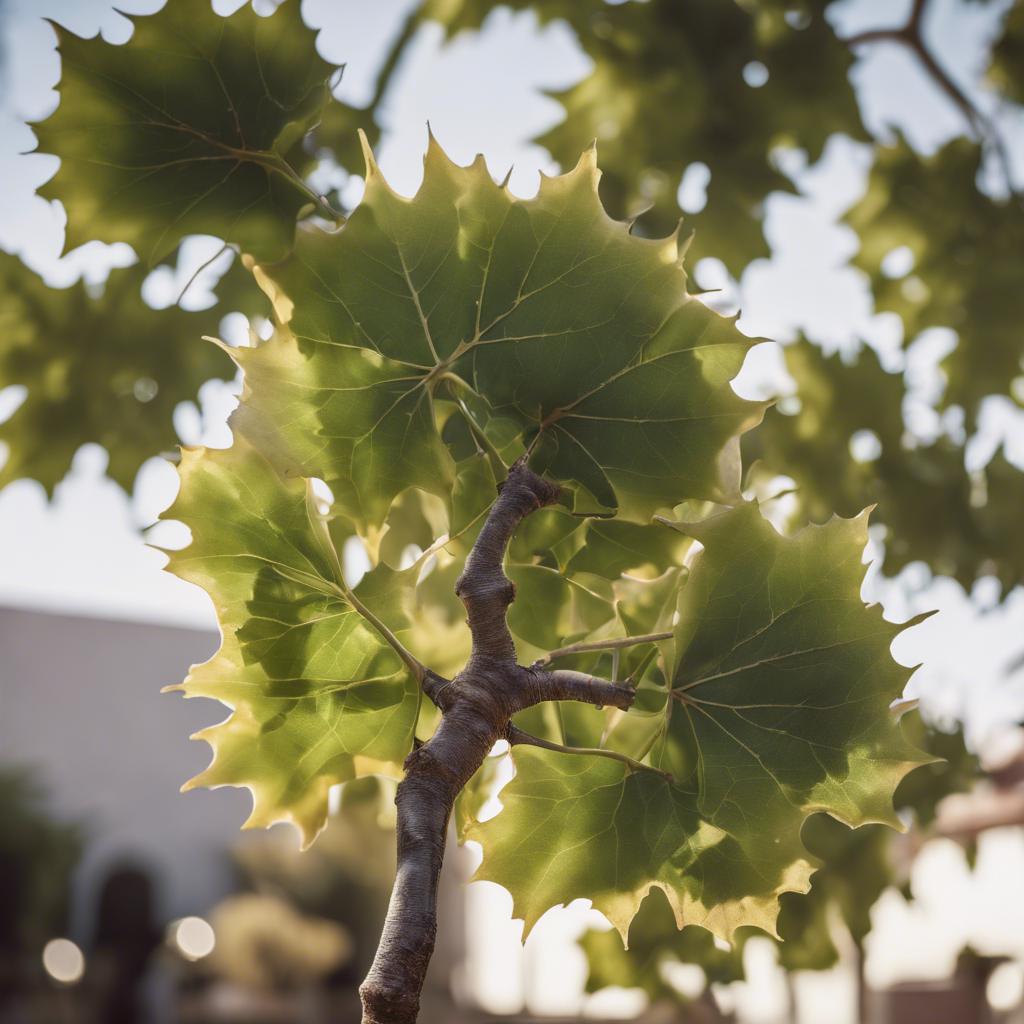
[561, 808]
[106, 369]
[194, 126]
[774, 704]
[785, 677]
[962, 536]
[968, 271]
[668, 90]
[559, 320]
[318, 697]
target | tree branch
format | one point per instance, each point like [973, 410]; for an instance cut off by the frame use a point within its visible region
[435, 774]
[910, 36]
[567, 685]
[516, 736]
[476, 709]
[599, 645]
[483, 587]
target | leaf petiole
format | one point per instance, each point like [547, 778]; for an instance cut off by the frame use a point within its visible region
[319, 525]
[599, 645]
[517, 736]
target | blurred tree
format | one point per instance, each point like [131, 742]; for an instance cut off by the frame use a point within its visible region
[37, 855]
[718, 90]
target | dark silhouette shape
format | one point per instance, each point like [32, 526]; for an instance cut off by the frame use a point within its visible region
[125, 938]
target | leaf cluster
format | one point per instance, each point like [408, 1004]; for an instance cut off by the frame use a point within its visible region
[422, 346]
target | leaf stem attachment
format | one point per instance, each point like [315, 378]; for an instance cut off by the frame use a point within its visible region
[517, 736]
[599, 645]
[319, 525]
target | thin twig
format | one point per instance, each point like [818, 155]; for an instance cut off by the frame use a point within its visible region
[224, 248]
[599, 645]
[517, 736]
[402, 40]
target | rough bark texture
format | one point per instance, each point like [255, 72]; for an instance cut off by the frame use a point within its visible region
[477, 708]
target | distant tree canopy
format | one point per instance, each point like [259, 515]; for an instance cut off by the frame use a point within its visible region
[723, 84]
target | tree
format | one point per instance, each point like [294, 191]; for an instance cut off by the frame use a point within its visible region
[526, 392]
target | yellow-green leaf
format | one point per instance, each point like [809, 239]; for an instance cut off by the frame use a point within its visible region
[577, 827]
[317, 695]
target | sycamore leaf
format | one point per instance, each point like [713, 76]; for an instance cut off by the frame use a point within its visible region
[653, 942]
[191, 127]
[856, 865]
[106, 369]
[560, 808]
[475, 794]
[968, 271]
[318, 696]
[610, 548]
[785, 677]
[779, 682]
[550, 607]
[954, 770]
[557, 317]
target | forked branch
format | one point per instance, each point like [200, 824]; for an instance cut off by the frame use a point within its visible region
[477, 706]
[910, 36]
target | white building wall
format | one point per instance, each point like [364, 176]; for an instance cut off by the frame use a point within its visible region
[80, 701]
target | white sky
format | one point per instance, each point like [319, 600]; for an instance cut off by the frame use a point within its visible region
[83, 553]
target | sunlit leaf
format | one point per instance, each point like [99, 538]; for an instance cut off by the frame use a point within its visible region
[560, 809]
[194, 126]
[554, 314]
[317, 696]
[785, 677]
[669, 88]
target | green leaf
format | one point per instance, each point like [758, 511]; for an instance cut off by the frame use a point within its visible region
[654, 941]
[561, 808]
[550, 607]
[856, 866]
[954, 770]
[191, 127]
[611, 548]
[776, 706]
[972, 524]
[785, 677]
[105, 369]
[556, 315]
[318, 696]
[470, 802]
